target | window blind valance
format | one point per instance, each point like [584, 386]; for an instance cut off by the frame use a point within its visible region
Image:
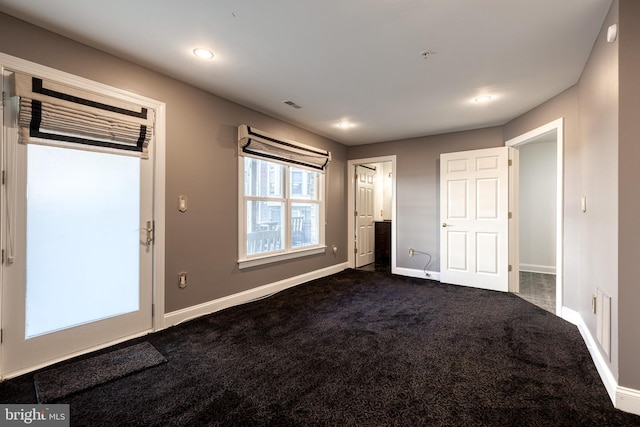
[261, 144]
[54, 113]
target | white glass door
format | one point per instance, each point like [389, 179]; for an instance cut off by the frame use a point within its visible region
[80, 269]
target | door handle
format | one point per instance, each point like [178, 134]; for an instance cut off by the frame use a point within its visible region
[444, 225]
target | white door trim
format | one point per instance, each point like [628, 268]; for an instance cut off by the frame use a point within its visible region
[351, 165]
[557, 126]
[18, 64]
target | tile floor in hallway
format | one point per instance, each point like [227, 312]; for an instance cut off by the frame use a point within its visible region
[539, 289]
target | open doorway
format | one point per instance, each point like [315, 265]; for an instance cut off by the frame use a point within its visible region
[371, 207]
[537, 238]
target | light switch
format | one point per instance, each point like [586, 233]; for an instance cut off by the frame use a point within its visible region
[182, 279]
[182, 203]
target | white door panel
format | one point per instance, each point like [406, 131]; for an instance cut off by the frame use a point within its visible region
[474, 190]
[457, 200]
[457, 254]
[487, 259]
[365, 216]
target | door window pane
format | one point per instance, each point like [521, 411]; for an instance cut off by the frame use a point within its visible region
[83, 237]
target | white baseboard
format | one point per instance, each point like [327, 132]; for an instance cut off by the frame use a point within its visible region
[606, 376]
[535, 268]
[625, 399]
[189, 313]
[628, 400]
[412, 272]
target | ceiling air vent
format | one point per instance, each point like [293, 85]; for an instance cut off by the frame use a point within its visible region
[292, 104]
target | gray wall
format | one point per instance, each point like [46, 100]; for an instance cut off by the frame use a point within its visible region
[537, 210]
[201, 164]
[417, 186]
[601, 161]
[598, 129]
[629, 202]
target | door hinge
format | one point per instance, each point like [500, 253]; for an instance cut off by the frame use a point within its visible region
[3, 98]
[510, 267]
[510, 162]
[4, 177]
[355, 213]
[3, 256]
[510, 215]
[355, 250]
[150, 232]
[1, 336]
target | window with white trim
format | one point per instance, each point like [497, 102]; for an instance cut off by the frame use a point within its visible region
[281, 208]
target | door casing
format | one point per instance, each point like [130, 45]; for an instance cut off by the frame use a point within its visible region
[514, 240]
[351, 223]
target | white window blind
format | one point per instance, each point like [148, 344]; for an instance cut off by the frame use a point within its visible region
[56, 114]
[256, 143]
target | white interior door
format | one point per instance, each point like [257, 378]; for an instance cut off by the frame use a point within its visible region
[365, 224]
[474, 214]
[77, 273]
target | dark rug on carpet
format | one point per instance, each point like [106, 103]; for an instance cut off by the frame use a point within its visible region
[61, 381]
[359, 349]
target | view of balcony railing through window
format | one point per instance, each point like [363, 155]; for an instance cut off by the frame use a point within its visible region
[282, 207]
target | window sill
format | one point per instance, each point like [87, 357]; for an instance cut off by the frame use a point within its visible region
[268, 259]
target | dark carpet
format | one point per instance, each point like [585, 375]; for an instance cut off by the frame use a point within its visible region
[359, 349]
[68, 378]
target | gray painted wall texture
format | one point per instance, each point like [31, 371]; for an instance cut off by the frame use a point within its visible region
[598, 130]
[537, 210]
[629, 201]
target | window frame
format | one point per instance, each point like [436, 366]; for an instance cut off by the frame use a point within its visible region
[288, 251]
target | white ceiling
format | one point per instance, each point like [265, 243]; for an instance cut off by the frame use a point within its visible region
[355, 60]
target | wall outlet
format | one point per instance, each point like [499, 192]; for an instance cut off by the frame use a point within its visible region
[334, 249]
[411, 252]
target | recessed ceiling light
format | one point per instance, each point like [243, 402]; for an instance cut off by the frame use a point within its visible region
[484, 98]
[344, 125]
[203, 53]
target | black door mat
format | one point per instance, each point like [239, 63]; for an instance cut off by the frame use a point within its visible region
[64, 380]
